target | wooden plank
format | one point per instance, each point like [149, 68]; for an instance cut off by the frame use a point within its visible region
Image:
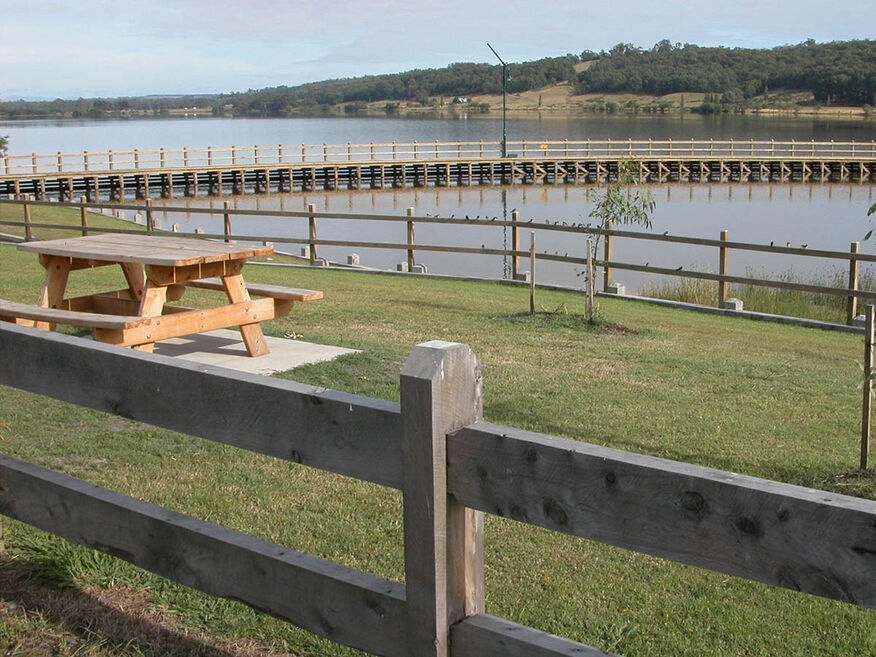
[166, 275]
[188, 322]
[252, 334]
[335, 431]
[262, 290]
[341, 604]
[440, 392]
[135, 275]
[808, 540]
[488, 636]
[151, 304]
[57, 273]
[53, 316]
[146, 249]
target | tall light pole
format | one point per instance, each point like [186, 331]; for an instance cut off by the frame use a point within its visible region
[504, 88]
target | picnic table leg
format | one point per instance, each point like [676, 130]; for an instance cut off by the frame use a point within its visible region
[252, 334]
[151, 304]
[136, 277]
[57, 272]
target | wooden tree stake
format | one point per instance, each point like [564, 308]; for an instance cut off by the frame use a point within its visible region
[854, 265]
[722, 269]
[84, 216]
[866, 413]
[411, 254]
[532, 272]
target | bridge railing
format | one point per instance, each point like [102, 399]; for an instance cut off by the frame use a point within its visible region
[254, 156]
[451, 467]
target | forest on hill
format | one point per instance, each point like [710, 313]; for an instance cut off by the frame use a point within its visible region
[842, 72]
[836, 73]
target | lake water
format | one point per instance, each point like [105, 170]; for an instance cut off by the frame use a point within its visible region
[823, 215]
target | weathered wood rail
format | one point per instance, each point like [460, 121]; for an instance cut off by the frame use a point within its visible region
[451, 468]
[852, 259]
[166, 173]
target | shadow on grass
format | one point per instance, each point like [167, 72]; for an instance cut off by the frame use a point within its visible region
[114, 621]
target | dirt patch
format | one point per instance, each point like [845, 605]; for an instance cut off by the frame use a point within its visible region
[619, 329]
[94, 621]
[572, 321]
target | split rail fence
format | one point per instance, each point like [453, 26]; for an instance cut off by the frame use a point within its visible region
[451, 466]
[516, 253]
[187, 158]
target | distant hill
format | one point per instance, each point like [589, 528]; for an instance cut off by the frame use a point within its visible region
[713, 79]
[842, 72]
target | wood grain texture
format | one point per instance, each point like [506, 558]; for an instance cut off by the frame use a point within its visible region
[12, 309]
[440, 392]
[262, 290]
[252, 334]
[488, 636]
[145, 249]
[57, 273]
[333, 601]
[803, 539]
[335, 431]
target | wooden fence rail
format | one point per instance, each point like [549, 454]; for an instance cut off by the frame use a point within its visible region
[723, 244]
[188, 158]
[451, 467]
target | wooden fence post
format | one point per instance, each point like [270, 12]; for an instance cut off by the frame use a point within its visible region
[83, 213]
[854, 281]
[311, 208]
[722, 269]
[28, 231]
[866, 413]
[150, 221]
[444, 559]
[607, 255]
[532, 272]
[515, 245]
[411, 254]
[227, 220]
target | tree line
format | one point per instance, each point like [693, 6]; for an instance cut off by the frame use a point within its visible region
[841, 72]
[418, 86]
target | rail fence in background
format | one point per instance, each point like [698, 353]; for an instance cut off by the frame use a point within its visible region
[309, 238]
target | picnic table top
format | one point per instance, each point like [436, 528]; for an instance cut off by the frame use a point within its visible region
[160, 250]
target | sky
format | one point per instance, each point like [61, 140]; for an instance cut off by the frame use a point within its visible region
[87, 48]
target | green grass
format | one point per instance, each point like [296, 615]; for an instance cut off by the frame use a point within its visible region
[793, 303]
[767, 400]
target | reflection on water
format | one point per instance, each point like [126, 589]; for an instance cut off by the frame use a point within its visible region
[822, 216]
[76, 135]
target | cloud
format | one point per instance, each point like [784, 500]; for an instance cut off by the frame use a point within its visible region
[175, 46]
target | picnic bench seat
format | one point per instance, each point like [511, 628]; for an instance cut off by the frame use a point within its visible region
[27, 314]
[133, 330]
[283, 297]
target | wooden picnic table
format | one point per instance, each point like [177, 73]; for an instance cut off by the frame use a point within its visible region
[157, 269]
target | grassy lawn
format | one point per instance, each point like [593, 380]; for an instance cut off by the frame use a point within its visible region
[767, 400]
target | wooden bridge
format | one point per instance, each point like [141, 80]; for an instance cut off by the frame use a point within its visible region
[120, 175]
